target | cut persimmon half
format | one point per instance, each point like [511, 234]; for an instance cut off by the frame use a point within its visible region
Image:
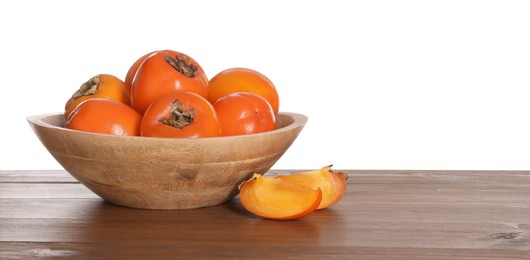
[331, 183]
[273, 198]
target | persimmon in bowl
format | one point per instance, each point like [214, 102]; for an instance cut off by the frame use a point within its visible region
[164, 173]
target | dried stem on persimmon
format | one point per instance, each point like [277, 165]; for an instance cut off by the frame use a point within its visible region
[182, 65]
[179, 116]
[88, 88]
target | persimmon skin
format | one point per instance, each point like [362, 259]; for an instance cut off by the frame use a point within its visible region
[332, 184]
[242, 113]
[276, 199]
[105, 116]
[243, 80]
[156, 77]
[129, 77]
[105, 86]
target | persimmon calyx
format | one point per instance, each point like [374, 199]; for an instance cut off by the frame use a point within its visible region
[179, 116]
[90, 87]
[182, 65]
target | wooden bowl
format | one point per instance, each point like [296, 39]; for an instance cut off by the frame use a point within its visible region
[164, 173]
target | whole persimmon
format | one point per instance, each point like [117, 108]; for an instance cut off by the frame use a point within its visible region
[243, 80]
[184, 115]
[242, 113]
[165, 72]
[99, 86]
[105, 116]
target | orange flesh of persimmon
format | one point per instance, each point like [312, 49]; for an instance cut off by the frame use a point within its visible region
[332, 184]
[273, 198]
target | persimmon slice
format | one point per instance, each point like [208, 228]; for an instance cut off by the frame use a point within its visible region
[332, 183]
[273, 198]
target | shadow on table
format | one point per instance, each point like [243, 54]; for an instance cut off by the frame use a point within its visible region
[225, 223]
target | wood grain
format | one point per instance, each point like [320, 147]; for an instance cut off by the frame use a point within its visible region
[385, 214]
[165, 173]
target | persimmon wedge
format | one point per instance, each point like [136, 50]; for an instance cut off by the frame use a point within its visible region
[277, 199]
[332, 183]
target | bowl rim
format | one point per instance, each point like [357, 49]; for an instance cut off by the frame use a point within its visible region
[299, 120]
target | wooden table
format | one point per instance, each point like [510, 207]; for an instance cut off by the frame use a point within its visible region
[385, 214]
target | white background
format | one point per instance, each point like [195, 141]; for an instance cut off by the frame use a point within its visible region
[385, 84]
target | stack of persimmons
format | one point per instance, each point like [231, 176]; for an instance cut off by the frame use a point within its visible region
[167, 94]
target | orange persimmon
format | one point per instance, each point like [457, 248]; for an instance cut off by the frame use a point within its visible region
[165, 72]
[182, 115]
[332, 183]
[274, 198]
[243, 80]
[242, 113]
[105, 116]
[99, 86]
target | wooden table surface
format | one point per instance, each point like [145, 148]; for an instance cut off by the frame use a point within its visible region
[385, 214]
